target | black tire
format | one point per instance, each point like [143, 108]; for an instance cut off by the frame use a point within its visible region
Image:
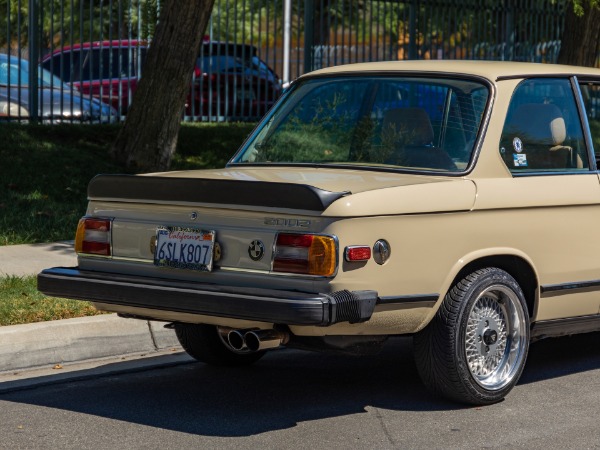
[474, 349]
[203, 343]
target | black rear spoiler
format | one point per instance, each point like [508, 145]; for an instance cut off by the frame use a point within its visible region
[204, 190]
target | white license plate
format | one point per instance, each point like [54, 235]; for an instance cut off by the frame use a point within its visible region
[184, 248]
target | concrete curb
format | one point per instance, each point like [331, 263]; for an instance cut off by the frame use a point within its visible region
[80, 339]
[41, 344]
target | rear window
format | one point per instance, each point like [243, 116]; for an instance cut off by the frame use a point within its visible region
[413, 123]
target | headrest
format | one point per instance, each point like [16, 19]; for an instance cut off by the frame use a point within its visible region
[539, 123]
[413, 121]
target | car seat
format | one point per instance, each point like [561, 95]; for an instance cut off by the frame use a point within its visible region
[534, 138]
[412, 135]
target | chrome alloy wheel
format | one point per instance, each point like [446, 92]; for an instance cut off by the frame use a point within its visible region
[495, 340]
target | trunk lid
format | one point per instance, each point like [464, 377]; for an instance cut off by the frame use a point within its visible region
[246, 208]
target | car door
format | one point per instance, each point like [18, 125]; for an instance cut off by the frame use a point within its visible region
[545, 145]
[590, 98]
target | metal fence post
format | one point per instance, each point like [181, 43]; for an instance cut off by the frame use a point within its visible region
[287, 41]
[309, 35]
[509, 39]
[33, 38]
[412, 30]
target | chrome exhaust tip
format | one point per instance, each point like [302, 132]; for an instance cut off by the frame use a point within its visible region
[236, 340]
[257, 340]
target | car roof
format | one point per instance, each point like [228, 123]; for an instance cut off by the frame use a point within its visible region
[216, 46]
[98, 44]
[491, 70]
[12, 58]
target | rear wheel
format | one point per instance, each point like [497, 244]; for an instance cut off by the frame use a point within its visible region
[474, 349]
[204, 343]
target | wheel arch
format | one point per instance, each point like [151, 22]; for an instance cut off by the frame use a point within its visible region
[515, 263]
[517, 267]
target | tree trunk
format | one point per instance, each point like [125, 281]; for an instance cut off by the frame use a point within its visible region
[581, 37]
[148, 138]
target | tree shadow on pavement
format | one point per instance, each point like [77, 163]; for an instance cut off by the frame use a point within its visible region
[281, 390]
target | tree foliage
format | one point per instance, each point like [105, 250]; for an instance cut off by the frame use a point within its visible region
[66, 22]
[581, 37]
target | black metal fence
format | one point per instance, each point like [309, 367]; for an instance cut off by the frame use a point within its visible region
[80, 60]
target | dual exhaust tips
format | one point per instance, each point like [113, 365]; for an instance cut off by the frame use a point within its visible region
[255, 340]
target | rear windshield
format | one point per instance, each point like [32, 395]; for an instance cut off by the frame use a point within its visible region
[411, 123]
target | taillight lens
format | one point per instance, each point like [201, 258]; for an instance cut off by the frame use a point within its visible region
[308, 254]
[93, 236]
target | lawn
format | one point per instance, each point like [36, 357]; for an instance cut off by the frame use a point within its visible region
[20, 302]
[44, 175]
[45, 171]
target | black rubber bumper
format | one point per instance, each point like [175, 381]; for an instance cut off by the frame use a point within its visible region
[264, 305]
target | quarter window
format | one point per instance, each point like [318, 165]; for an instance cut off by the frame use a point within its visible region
[543, 131]
[591, 97]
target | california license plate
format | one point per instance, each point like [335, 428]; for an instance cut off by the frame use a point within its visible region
[184, 248]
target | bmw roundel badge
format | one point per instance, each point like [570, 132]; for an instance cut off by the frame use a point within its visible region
[256, 250]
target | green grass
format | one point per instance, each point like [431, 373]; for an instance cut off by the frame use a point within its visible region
[45, 170]
[20, 302]
[44, 173]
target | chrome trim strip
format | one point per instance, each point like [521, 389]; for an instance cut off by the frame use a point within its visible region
[564, 327]
[553, 290]
[136, 260]
[408, 299]
[583, 119]
[528, 76]
[217, 268]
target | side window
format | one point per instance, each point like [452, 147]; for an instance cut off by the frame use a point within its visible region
[591, 98]
[109, 63]
[66, 65]
[542, 131]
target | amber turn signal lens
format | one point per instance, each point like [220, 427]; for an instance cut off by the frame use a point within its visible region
[308, 254]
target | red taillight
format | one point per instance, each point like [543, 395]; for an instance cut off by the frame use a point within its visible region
[308, 254]
[93, 236]
[358, 253]
[295, 240]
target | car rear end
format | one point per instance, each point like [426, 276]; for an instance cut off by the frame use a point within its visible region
[235, 259]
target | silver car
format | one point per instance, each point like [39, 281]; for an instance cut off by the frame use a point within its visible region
[57, 101]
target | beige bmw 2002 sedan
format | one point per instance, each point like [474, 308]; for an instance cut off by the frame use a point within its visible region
[456, 202]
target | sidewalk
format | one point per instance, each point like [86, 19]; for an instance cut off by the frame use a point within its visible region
[30, 259]
[71, 340]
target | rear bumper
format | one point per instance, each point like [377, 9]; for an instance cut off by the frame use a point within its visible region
[264, 305]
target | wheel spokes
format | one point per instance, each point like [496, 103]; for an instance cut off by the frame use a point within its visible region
[493, 337]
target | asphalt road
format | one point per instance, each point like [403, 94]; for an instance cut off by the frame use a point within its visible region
[299, 400]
